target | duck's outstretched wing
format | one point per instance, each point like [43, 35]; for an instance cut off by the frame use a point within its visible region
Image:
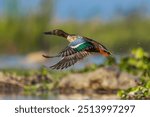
[69, 50]
[71, 55]
[65, 52]
[68, 61]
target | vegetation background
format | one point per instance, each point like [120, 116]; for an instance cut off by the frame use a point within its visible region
[120, 25]
[22, 24]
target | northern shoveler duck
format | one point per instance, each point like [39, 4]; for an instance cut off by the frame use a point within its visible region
[78, 48]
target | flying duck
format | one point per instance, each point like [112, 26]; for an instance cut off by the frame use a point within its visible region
[78, 48]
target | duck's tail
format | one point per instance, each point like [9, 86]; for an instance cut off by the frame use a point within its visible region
[104, 52]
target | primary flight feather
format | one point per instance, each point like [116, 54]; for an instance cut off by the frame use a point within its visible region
[78, 48]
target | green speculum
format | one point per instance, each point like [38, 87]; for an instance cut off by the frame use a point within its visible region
[83, 46]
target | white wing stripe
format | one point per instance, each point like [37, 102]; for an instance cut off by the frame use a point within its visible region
[77, 45]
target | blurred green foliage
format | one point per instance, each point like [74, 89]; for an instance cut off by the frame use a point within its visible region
[138, 64]
[23, 33]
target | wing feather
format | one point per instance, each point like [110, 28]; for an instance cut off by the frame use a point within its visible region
[67, 61]
[66, 52]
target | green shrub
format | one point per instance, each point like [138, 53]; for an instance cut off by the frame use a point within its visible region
[138, 64]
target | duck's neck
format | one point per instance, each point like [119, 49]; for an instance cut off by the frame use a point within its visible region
[71, 38]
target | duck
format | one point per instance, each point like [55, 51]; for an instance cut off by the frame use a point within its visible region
[78, 48]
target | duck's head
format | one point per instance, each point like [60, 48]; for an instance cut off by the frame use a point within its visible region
[57, 32]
